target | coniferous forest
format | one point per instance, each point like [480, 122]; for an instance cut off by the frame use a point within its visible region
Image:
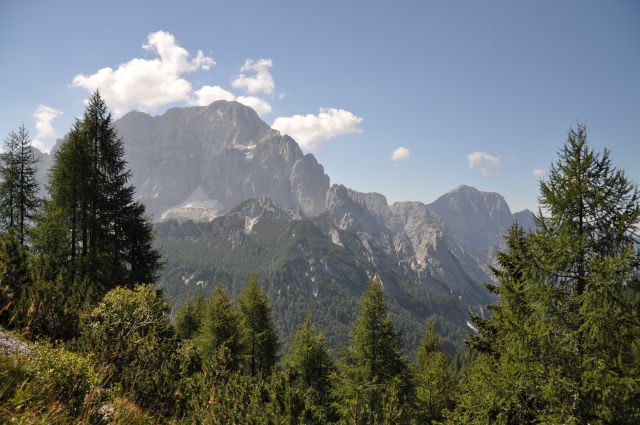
[77, 269]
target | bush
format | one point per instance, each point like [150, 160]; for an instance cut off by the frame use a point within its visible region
[52, 386]
[67, 376]
[130, 334]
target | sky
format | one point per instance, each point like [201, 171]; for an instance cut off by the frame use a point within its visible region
[408, 98]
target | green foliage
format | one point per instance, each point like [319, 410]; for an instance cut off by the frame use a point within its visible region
[258, 339]
[188, 316]
[559, 347]
[130, 333]
[374, 374]
[53, 386]
[14, 277]
[70, 376]
[91, 225]
[310, 366]
[218, 338]
[434, 384]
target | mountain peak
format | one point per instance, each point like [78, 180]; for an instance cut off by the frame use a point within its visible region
[223, 153]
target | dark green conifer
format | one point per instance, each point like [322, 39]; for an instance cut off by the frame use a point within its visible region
[97, 229]
[19, 188]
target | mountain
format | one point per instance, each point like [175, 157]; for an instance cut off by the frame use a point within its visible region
[477, 222]
[320, 265]
[232, 197]
[199, 162]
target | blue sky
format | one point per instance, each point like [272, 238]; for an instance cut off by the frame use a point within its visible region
[478, 93]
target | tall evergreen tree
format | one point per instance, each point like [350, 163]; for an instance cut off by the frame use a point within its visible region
[218, 337]
[259, 339]
[106, 236]
[18, 184]
[374, 371]
[188, 317]
[561, 346]
[310, 364]
[434, 383]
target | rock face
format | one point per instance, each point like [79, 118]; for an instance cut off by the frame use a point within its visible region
[199, 162]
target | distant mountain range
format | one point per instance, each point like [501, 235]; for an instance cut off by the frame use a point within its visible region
[232, 196]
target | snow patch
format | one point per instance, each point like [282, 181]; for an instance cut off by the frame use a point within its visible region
[197, 207]
[470, 326]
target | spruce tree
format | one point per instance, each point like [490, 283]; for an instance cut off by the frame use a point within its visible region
[375, 373]
[18, 184]
[259, 340]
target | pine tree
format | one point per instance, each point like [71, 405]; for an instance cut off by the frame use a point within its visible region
[18, 184]
[374, 370]
[259, 340]
[218, 337]
[434, 383]
[559, 347]
[106, 236]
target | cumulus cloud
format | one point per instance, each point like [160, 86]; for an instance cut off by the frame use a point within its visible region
[312, 131]
[400, 153]
[484, 162]
[44, 115]
[261, 106]
[147, 83]
[261, 82]
[208, 94]
[538, 173]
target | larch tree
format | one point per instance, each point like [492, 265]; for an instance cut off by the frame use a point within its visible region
[434, 383]
[259, 340]
[376, 381]
[218, 337]
[562, 344]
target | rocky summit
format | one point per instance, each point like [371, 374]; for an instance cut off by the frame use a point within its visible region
[199, 162]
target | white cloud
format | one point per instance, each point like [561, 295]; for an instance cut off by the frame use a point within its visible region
[44, 115]
[400, 153]
[261, 82]
[147, 83]
[209, 94]
[483, 162]
[261, 106]
[538, 173]
[311, 131]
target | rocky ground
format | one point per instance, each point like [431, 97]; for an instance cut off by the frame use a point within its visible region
[10, 345]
